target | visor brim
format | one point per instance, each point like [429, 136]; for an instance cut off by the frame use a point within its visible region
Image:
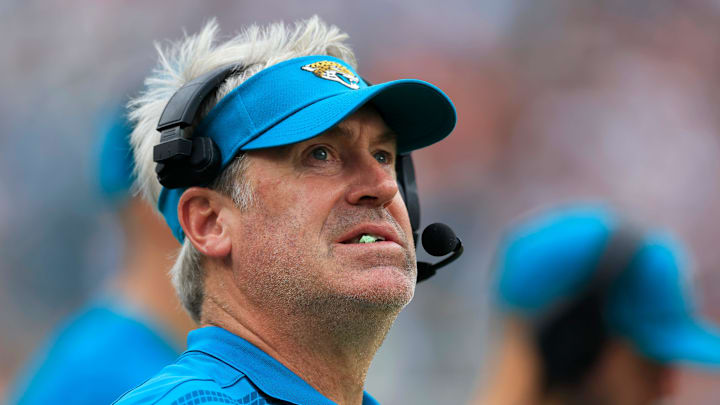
[420, 114]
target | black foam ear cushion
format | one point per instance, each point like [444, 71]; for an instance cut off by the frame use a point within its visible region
[204, 164]
[198, 169]
[205, 157]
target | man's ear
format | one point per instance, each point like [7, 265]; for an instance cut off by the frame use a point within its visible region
[201, 212]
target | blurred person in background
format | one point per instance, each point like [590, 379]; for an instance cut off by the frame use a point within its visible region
[593, 310]
[135, 327]
[298, 249]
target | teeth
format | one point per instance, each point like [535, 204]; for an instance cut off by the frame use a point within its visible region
[367, 238]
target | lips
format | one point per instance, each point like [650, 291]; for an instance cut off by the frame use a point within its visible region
[370, 233]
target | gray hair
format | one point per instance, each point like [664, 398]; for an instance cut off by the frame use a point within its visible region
[255, 48]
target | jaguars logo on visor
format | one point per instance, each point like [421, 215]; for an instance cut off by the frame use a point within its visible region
[333, 71]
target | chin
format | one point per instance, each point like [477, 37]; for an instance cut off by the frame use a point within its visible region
[388, 287]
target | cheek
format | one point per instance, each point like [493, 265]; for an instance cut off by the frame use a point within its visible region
[286, 201]
[398, 210]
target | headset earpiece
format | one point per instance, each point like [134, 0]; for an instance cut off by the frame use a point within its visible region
[182, 160]
[199, 168]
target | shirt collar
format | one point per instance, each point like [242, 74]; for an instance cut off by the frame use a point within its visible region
[265, 372]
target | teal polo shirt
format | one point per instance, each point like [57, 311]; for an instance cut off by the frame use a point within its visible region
[221, 368]
[98, 354]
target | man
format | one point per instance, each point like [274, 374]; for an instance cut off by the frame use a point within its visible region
[594, 310]
[298, 255]
[135, 327]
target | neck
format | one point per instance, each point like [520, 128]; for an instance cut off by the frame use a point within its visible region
[329, 345]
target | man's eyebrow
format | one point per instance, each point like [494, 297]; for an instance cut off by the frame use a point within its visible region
[389, 136]
[339, 130]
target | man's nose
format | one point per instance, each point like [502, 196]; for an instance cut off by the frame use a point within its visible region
[372, 183]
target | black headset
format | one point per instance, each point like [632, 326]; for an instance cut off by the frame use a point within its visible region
[571, 336]
[184, 161]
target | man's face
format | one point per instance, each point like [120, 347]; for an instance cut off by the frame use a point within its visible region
[298, 246]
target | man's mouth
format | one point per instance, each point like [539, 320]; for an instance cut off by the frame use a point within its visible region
[368, 233]
[365, 238]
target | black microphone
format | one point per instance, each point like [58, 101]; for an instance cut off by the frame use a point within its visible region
[438, 240]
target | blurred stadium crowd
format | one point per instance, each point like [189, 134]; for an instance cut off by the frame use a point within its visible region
[557, 101]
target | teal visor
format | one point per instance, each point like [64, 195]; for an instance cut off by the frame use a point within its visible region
[301, 98]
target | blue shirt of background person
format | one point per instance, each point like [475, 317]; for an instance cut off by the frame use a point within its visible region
[132, 329]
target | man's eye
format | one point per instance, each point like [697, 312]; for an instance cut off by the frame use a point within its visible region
[382, 157]
[320, 153]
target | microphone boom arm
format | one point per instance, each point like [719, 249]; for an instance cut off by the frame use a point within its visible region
[426, 270]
